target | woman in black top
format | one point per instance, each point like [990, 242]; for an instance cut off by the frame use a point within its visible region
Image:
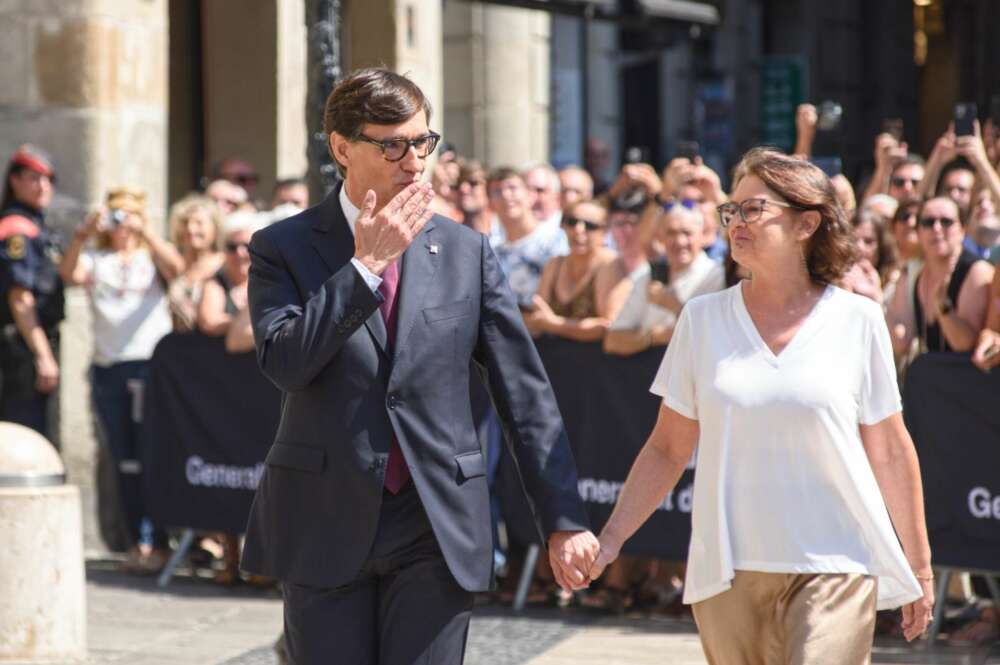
[946, 309]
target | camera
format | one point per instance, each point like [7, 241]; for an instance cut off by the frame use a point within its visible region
[117, 217]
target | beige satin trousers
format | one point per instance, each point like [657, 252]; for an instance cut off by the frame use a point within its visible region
[789, 619]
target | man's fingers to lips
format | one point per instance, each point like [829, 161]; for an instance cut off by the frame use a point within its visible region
[404, 196]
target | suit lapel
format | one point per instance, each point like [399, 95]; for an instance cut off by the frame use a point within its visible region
[333, 241]
[419, 265]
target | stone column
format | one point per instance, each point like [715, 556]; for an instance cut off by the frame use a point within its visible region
[86, 80]
[254, 68]
[497, 82]
[404, 35]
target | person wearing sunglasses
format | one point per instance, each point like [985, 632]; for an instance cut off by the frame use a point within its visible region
[566, 303]
[124, 276]
[785, 385]
[648, 317]
[946, 309]
[223, 310]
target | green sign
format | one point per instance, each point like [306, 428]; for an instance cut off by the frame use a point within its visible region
[783, 86]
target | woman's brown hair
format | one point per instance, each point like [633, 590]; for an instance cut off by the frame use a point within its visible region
[831, 250]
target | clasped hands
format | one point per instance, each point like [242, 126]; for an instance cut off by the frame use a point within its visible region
[579, 557]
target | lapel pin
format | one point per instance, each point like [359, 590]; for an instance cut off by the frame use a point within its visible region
[434, 248]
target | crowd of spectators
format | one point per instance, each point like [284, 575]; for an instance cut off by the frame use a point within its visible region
[141, 286]
[590, 256]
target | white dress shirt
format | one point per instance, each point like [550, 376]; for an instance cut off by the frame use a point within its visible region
[351, 213]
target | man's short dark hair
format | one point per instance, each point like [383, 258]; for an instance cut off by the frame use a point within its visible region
[375, 96]
[289, 182]
[502, 173]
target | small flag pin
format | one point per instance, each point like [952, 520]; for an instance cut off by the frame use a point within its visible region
[434, 249]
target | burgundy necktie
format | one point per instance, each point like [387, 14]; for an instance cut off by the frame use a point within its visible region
[396, 473]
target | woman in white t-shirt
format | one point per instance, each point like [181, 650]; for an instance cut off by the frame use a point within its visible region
[124, 276]
[786, 385]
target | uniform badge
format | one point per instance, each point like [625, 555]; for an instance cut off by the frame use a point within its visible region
[16, 247]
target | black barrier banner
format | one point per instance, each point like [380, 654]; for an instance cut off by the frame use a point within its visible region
[209, 419]
[608, 412]
[953, 413]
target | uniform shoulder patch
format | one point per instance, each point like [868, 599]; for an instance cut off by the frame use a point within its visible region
[16, 247]
[17, 225]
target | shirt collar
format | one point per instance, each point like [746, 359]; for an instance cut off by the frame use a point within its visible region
[351, 211]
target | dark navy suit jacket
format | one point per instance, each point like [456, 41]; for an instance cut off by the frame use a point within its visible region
[321, 339]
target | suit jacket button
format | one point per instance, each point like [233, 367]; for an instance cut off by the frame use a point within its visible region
[392, 401]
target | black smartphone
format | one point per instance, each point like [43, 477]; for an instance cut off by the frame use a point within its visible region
[995, 110]
[831, 166]
[688, 149]
[965, 115]
[893, 127]
[659, 271]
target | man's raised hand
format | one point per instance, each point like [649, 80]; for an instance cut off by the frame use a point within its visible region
[380, 239]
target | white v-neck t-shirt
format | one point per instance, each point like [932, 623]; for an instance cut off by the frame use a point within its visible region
[782, 483]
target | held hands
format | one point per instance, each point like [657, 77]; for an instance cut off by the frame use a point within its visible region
[380, 239]
[572, 554]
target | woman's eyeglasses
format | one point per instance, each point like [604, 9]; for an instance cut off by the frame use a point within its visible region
[393, 150]
[749, 210]
[571, 223]
[909, 217]
[929, 222]
[232, 247]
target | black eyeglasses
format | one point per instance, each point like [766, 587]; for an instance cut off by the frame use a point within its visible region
[899, 181]
[906, 217]
[929, 222]
[749, 210]
[670, 204]
[571, 222]
[394, 150]
[232, 246]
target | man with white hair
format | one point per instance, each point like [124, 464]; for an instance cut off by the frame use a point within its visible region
[648, 316]
[543, 181]
[882, 205]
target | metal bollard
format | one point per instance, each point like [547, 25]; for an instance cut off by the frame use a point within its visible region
[42, 596]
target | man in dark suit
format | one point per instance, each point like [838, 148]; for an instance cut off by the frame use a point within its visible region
[368, 313]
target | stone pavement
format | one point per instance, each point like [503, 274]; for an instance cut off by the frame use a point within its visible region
[196, 622]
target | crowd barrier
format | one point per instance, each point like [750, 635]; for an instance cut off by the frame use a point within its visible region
[210, 418]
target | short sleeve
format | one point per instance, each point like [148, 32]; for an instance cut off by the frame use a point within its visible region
[879, 390]
[675, 380]
[19, 261]
[88, 261]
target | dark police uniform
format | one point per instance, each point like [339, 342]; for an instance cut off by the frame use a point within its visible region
[29, 255]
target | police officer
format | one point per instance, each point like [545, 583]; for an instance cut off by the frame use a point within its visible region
[31, 292]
